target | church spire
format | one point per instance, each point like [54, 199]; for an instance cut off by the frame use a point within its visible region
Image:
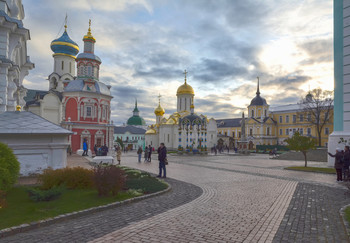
[185, 76]
[258, 91]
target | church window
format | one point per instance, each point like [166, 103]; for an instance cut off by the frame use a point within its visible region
[265, 111]
[62, 64]
[287, 118]
[88, 111]
[89, 71]
[81, 70]
[251, 132]
[326, 131]
[281, 132]
[301, 117]
[294, 118]
[268, 131]
[252, 113]
[281, 119]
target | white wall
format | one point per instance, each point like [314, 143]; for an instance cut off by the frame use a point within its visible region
[38, 152]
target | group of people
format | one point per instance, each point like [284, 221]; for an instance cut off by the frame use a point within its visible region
[101, 150]
[148, 153]
[342, 163]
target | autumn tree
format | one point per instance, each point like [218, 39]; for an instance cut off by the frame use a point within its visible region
[301, 143]
[317, 108]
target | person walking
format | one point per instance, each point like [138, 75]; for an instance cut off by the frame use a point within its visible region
[346, 157]
[119, 154]
[338, 163]
[162, 158]
[146, 154]
[149, 153]
[139, 153]
[85, 148]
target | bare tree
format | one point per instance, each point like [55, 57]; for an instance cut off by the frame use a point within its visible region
[317, 109]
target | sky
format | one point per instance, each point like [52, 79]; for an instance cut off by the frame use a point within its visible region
[145, 46]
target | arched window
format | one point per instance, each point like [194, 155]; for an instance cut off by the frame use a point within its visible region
[268, 131]
[265, 112]
[252, 113]
[89, 71]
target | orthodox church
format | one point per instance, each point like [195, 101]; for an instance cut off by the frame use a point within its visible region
[136, 119]
[184, 130]
[79, 103]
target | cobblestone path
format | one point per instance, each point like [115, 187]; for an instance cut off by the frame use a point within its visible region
[229, 199]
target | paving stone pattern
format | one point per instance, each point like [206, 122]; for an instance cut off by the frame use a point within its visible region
[313, 216]
[242, 199]
[89, 227]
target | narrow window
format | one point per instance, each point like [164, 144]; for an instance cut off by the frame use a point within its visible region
[309, 131]
[281, 119]
[252, 113]
[268, 131]
[281, 132]
[287, 118]
[326, 131]
[265, 112]
[62, 65]
[301, 131]
[88, 111]
[301, 118]
[251, 132]
[70, 67]
[287, 131]
[294, 118]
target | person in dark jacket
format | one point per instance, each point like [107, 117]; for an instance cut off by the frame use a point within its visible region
[338, 163]
[149, 153]
[346, 158]
[139, 153]
[161, 158]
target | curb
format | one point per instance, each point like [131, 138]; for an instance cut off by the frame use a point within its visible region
[345, 222]
[37, 224]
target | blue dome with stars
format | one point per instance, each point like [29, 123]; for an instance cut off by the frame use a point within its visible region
[64, 46]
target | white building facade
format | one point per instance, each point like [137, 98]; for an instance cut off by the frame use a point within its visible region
[183, 130]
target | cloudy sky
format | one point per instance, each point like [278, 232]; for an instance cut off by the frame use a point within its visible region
[223, 44]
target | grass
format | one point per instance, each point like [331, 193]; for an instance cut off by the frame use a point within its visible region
[347, 214]
[20, 209]
[312, 169]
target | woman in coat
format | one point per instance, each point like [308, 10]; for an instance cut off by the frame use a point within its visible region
[119, 154]
[338, 163]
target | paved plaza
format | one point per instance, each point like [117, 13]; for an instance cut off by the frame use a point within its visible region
[222, 198]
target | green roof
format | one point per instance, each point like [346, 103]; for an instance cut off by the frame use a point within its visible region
[136, 121]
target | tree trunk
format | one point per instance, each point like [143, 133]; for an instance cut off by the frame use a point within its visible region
[304, 153]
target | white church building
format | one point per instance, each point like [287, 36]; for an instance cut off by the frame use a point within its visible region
[184, 130]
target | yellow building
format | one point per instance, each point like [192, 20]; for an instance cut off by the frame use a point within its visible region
[267, 125]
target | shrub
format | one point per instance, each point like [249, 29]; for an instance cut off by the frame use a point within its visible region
[71, 178]
[38, 195]
[9, 168]
[108, 179]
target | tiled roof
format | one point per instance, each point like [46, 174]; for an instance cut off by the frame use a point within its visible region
[235, 122]
[15, 122]
[130, 129]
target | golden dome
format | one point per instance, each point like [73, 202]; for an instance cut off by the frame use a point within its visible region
[151, 131]
[159, 111]
[89, 36]
[185, 89]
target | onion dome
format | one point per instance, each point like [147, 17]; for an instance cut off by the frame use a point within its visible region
[159, 111]
[64, 45]
[258, 100]
[136, 120]
[88, 36]
[185, 88]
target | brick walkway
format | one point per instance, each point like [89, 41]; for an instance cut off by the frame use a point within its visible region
[242, 199]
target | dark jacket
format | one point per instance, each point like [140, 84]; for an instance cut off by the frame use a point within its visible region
[161, 154]
[338, 160]
[347, 158]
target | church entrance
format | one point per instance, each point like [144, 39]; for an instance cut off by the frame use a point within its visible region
[99, 142]
[251, 145]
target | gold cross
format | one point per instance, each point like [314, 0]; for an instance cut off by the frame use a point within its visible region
[185, 75]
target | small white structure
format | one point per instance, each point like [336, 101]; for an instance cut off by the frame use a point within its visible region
[36, 142]
[103, 159]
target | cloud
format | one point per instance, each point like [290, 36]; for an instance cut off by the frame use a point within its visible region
[318, 51]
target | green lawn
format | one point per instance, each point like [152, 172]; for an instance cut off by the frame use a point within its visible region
[20, 209]
[312, 169]
[347, 214]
